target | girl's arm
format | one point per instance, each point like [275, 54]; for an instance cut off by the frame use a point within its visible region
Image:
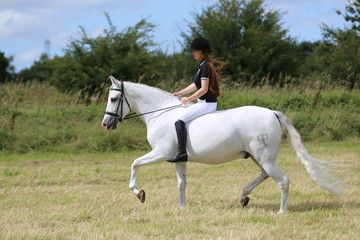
[204, 89]
[188, 89]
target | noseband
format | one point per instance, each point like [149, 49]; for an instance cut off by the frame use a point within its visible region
[120, 103]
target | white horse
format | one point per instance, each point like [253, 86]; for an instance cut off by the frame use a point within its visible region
[214, 138]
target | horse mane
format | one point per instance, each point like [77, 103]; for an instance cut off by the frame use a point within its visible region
[161, 95]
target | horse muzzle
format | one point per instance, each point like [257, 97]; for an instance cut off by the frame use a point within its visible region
[109, 123]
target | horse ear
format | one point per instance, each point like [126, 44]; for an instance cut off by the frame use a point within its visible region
[112, 79]
[117, 83]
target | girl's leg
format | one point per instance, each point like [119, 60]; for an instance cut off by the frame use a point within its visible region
[191, 113]
[197, 110]
[181, 154]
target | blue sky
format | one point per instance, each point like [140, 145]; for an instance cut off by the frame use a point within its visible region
[26, 25]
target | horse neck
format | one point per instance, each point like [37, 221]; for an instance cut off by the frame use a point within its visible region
[144, 99]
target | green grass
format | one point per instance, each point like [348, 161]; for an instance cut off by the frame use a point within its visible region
[37, 117]
[63, 177]
[86, 196]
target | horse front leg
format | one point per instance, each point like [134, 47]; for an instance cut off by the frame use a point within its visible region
[181, 177]
[151, 157]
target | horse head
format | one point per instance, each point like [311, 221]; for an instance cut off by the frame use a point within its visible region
[117, 106]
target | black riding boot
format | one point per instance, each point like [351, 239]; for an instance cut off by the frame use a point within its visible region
[181, 154]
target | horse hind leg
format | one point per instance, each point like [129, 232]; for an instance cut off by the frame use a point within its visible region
[274, 171]
[244, 199]
[265, 151]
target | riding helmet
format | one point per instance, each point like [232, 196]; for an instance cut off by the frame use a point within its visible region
[202, 44]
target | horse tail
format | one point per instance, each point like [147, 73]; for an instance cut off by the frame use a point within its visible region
[317, 169]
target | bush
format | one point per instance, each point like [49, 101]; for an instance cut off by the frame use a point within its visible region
[45, 119]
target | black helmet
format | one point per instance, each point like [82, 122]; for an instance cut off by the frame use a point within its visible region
[202, 44]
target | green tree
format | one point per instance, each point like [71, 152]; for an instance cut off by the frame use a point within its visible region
[352, 14]
[41, 70]
[305, 52]
[89, 61]
[6, 70]
[249, 37]
[339, 53]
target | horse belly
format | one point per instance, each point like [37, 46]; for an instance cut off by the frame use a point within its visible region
[219, 155]
[216, 146]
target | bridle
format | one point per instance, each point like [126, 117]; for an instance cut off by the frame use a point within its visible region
[120, 106]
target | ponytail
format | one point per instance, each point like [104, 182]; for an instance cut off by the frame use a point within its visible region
[215, 67]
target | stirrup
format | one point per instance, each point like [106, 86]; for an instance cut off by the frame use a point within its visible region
[178, 158]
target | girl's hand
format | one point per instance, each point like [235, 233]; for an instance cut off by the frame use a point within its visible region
[176, 94]
[185, 100]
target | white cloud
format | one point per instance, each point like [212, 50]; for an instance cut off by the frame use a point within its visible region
[11, 20]
[304, 18]
[38, 18]
[60, 4]
[18, 25]
[29, 55]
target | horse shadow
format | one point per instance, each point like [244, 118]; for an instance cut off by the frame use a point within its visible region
[306, 206]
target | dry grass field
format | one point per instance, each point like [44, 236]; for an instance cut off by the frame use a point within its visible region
[86, 196]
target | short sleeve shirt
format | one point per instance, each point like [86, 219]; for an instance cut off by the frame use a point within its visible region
[203, 73]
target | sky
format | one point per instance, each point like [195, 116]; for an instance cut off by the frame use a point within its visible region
[31, 28]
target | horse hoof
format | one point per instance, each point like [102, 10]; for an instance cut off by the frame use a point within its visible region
[244, 201]
[141, 196]
[282, 212]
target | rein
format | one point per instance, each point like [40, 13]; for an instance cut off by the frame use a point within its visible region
[131, 115]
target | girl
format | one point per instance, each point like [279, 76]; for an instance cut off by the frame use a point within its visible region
[205, 83]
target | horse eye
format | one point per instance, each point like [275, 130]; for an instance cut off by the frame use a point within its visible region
[113, 99]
